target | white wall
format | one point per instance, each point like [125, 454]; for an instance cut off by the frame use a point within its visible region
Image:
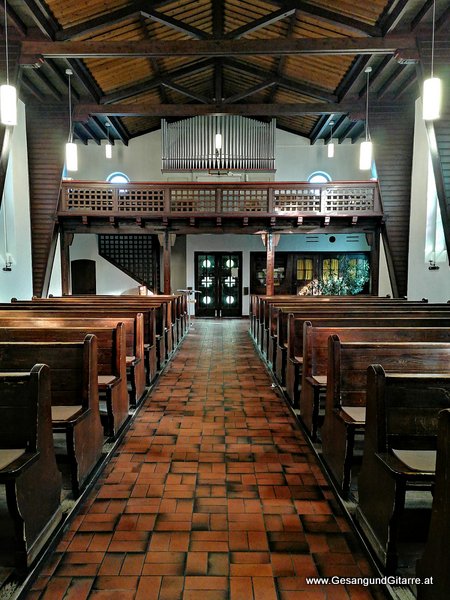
[422, 283]
[18, 282]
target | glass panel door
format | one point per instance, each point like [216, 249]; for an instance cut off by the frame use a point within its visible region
[218, 279]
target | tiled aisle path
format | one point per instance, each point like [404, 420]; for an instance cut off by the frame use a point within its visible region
[214, 494]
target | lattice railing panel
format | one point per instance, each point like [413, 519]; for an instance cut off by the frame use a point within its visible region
[140, 200]
[297, 200]
[89, 199]
[349, 200]
[135, 255]
[191, 200]
[244, 201]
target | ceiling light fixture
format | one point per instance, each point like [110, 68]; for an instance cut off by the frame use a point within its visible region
[71, 147]
[108, 147]
[431, 108]
[366, 149]
[8, 93]
[330, 145]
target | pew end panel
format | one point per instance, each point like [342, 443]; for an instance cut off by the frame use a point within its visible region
[399, 452]
[32, 480]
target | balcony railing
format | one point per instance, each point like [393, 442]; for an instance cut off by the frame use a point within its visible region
[279, 199]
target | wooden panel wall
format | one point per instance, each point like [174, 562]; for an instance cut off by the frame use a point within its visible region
[47, 133]
[393, 134]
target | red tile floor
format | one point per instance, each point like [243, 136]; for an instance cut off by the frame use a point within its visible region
[213, 495]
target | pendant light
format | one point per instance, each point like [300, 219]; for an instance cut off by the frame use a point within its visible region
[330, 145]
[108, 147]
[365, 150]
[71, 147]
[432, 86]
[8, 93]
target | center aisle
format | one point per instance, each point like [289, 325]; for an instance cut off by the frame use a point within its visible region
[214, 494]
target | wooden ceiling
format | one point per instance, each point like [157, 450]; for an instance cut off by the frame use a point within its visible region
[300, 61]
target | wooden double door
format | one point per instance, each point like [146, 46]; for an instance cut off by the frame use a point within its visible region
[218, 278]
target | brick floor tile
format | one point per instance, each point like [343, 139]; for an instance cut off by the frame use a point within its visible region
[241, 588]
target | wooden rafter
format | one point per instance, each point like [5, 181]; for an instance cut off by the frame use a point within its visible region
[332, 17]
[215, 48]
[14, 19]
[168, 83]
[265, 21]
[82, 111]
[251, 91]
[42, 17]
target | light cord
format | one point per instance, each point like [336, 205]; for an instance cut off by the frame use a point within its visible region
[432, 39]
[6, 44]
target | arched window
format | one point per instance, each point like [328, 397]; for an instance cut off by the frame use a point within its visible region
[118, 177]
[319, 177]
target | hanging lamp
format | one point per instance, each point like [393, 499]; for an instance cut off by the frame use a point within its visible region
[108, 147]
[330, 145]
[432, 87]
[71, 147]
[366, 149]
[8, 93]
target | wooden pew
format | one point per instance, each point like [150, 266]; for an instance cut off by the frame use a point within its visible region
[435, 561]
[315, 353]
[112, 369]
[96, 317]
[75, 410]
[28, 469]
[346, 391]
[399, 452]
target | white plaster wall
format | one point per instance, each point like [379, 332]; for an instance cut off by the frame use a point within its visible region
[422, 283]
[18, 282]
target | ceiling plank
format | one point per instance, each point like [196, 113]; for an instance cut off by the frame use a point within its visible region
[154, 82]
[14, 19]
[265, 21]
[392, 18]
[334, 18]
[216, 48]
[82, 110]
[285, 82]
[92, 25]
[168, 83]
[251, 91]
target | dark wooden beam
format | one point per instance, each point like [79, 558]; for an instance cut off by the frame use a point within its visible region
[218, 80]
[346, 132]
[30, 86]
[284, 82]
[443, 19]
[391, 18]
[120, 130]
[175, 24]
[49, 85]
[42, 17]
[282, 59]
[88, 133]
[334, 18]
[322, 125]
[265, 21]
[376, 72]
[383, 90]
[251, 91]
[61, 76]
[407, 84]
[141, 88]
[420, 15]
[337, 123]
[357, 67]
[14, 19]
[216, 48]
[218, 18]
[184, 91]
[86, 79]
[82, 111]
[92, 25]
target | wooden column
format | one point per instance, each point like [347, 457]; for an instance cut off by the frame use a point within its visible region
[65, 242]
[166, 262]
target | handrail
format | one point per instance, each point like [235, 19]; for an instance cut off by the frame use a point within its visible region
[188, 199]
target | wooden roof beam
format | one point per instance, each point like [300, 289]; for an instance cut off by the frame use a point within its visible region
[332, 17]
[443, 19]
[82, 110]
[388, 83]
[251, 91]
[184, 91]
[374, 75]
[322, 125]
[420, 15]
[86, 79]
[29, 85]
[31, 49]
[150, 84]
[88, 132]
[218, 18]
[62, 77]
[121, 132]
[49, 85]
[346, 132]
[357, 67]
[273, 17]
[218, 80]
[285, 82]
[14, 19]
[337, 123]
[390, 19]
[42, 17]
[122, 14]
